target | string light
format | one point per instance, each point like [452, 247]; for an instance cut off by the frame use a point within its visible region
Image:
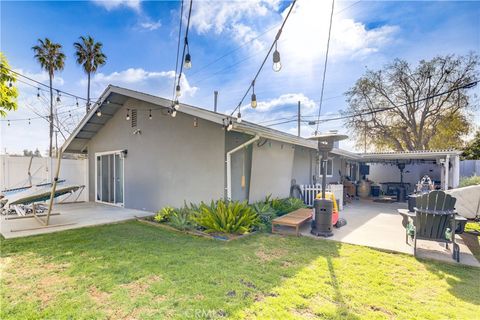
[253, 103]
[10, 84]
[76, 102]
[188, 61]
[277, 65]
[38, 93]
[230, 125]
[58, 96]
[176, 105]
[178, 91]
[28, 121]
[173, 113]
[188, 58]
[8, 123]
[150, 114]
[239, 117]
[99, 112]
[128, 115]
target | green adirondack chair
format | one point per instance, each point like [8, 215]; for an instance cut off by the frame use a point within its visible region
[435, 220]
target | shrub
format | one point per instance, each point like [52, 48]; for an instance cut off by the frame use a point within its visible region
[266, 214]
[284, 206]
[181, 219]
[469, 181]
[232, 217]
[164, 214]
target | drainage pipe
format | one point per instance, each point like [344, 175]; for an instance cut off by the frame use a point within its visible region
[229, 164]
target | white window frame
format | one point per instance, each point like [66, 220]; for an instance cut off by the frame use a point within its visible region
[320, 167]
[123, 182]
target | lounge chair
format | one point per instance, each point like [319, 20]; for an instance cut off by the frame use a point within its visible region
[434, 219]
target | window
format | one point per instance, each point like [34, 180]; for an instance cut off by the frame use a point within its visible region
[329, 168]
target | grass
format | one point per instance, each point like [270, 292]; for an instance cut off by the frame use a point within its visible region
[132, 270]
[472, 240]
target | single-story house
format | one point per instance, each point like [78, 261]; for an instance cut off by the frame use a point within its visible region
[141, 156]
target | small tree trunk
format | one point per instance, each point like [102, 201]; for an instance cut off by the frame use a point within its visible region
[88, 92]
[51, 114]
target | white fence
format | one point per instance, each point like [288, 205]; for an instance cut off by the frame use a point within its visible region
[310, 191]
[14, 173]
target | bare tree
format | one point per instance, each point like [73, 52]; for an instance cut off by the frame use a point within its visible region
[411, 122]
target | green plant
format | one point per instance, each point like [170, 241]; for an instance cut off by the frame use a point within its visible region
[265, 213]
[164, 214]
[181, 219]
[469, 181]
[232, 217]
[284, 206]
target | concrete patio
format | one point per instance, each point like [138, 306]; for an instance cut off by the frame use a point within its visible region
[72, 216]
[378, 225]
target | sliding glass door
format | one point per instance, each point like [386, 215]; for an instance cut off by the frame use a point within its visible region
[109, 178]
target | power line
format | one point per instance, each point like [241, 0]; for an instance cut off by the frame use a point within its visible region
[42, 84]
[325, 65]
[266, 57]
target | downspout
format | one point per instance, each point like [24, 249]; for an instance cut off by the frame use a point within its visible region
[229, 164]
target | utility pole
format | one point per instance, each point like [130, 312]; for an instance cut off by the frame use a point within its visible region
[298, 118]
[215, 98]
[50, 118]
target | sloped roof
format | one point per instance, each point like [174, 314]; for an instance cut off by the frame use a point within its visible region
[113, 98]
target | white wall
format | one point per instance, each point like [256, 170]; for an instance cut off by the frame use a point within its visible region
[14, 172]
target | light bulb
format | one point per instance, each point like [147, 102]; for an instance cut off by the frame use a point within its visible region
[174, 113]
[176, 105]
[239, 118]
[150, 115]
[58, 98]
[254, 101]
[99, 113]
[128, 115]
[277, 65]
[10, 84]
[188, 61]
[178, 91]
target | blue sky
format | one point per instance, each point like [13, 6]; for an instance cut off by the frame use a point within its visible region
[140, 39]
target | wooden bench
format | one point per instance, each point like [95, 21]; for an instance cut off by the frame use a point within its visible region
[293, 219]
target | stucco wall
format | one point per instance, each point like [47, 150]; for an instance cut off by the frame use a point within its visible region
[170, 162]
[241, 164]
[303, 165]
[272, 167]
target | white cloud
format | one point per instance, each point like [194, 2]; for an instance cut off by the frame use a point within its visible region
[285, 100]
[230, 17]
[40, 76]
[151, 26]
[115, 4]
[155, 82]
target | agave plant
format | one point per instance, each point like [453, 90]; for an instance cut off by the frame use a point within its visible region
[181, 219]
[232, 217]
[265, 213]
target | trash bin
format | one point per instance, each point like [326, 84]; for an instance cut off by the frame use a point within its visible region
[375, 190]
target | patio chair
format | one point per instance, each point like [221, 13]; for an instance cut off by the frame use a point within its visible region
[435, 220]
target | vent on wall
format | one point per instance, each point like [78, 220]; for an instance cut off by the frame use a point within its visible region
[134, 118]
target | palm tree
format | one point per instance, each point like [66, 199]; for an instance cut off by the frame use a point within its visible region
[89, 54]
[51, 59]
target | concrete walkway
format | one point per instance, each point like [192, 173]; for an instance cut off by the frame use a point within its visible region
[378, 225]
[72, 216]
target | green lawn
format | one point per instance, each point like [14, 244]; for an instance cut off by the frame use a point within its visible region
[134, 271]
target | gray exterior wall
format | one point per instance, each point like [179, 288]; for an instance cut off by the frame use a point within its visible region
[241, 162]
[169, 162]
[272, 167]
[304, 162]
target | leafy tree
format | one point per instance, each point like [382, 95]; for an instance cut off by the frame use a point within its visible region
[412, 122]
[51, 59]
[8, 92]
[89, 54]
[30, 153]
[472, 151]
